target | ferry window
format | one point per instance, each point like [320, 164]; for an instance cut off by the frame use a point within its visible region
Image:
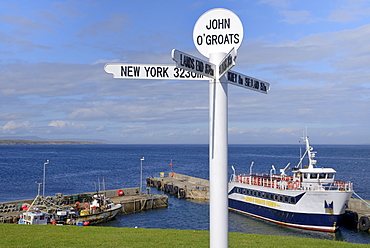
[330, 175]
[259, 194]
[322, 176]
[248, 192]
[286, 199]
[276, 197]
[305, 175]
[280, 198]
[243, 191]
[271, 196]
[292, 200]
[313, 176]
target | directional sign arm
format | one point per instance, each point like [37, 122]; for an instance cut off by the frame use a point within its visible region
[227, 63]
[141, 71]
[194, 64]
[244, 81]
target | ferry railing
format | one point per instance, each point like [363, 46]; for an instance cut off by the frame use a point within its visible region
[288, 183]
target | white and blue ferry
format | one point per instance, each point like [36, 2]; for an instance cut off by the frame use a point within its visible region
[309, 198]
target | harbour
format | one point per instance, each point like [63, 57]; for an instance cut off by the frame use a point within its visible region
[75, 168]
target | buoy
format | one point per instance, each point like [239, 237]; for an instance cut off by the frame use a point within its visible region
[120, 192]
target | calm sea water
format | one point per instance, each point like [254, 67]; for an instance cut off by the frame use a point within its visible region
[81, 168]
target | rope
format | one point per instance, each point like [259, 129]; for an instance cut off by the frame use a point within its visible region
[359, 197]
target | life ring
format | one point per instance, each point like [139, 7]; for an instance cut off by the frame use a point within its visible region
[341, 185]
[295, 185]
[364, 223]
[87, 205]
[290, 185]
[25, 206]
[120, 192]
[172, 174]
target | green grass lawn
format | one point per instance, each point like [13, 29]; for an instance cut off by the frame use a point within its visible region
[12, 235]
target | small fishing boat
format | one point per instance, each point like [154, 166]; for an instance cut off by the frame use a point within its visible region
[100, 209]
[307, 197]
[34, 217]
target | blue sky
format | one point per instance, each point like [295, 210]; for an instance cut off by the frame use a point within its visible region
[314, 54]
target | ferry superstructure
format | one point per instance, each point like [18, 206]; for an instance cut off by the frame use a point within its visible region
[308, 198]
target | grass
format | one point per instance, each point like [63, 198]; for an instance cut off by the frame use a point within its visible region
[12, 235]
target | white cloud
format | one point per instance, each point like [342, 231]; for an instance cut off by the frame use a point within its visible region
[13, 127]
[66, 124]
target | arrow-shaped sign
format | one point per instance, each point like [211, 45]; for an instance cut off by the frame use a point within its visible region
[227, 63]
[238, 79]
[141, 71]
[194, 64]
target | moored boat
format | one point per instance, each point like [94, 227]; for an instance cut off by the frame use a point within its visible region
[34, 217]
[307, 197]
[100, 209]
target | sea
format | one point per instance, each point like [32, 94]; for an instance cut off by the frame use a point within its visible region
[87, 168]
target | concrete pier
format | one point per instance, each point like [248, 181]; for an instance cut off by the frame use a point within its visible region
[182, 186]
[131, 199]
[361, 208]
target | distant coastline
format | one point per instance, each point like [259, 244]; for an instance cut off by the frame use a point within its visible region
[33, 142]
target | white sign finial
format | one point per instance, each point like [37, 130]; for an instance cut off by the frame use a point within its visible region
[217, 31]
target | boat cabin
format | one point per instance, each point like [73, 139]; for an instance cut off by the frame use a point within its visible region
[315, 175]
[34, 218]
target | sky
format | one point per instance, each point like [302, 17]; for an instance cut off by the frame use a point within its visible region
[314, 54]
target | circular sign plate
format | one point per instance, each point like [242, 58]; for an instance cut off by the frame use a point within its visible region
[217, 31]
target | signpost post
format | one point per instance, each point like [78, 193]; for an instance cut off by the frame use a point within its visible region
[217, 34]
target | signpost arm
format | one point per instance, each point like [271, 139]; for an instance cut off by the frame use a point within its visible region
[218, 158]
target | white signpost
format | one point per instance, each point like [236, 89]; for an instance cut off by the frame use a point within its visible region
[217, 34]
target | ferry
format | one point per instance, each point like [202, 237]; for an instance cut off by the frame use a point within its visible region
[306, 197]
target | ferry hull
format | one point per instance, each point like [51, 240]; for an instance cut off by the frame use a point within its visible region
[317, 222]
[312, 210]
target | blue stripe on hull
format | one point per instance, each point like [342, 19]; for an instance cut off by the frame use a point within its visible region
[321, 222]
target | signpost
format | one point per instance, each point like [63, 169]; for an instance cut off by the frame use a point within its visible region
[217, 34]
